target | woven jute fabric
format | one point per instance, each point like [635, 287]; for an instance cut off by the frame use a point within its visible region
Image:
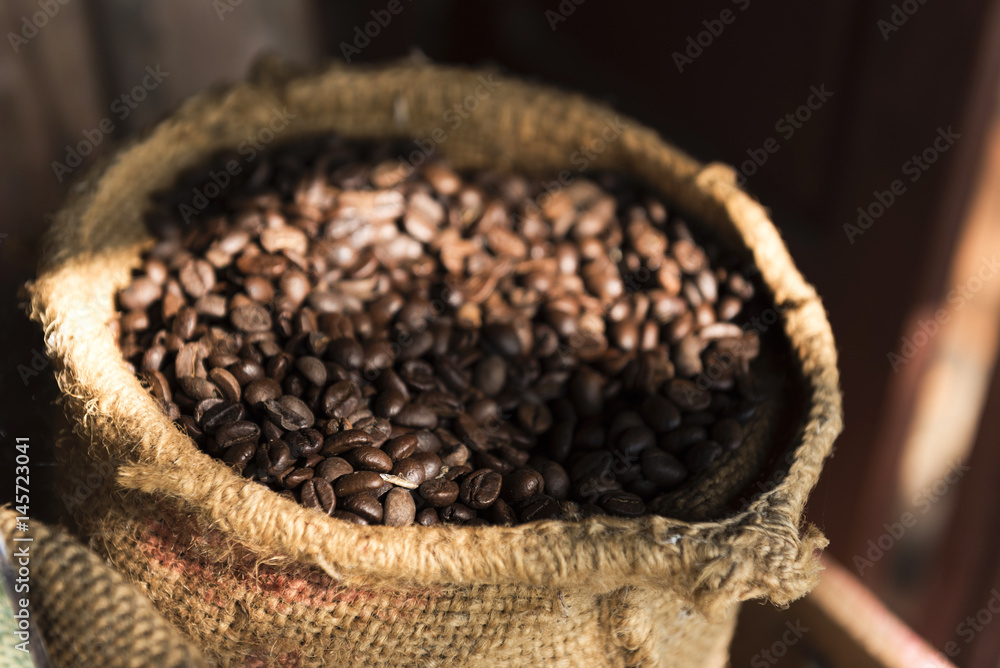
[86, 613]
[258, 580]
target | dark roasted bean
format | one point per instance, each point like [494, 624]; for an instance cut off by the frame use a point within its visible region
[332, 468]
[480, 489]
[702, 455]
[662, 468]
[623, 503]
[357, 482]
[541, 507]
[439, 493]
[369, 459]
[399, 509]
[363, 505]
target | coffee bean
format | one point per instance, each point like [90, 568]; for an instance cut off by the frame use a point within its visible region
[702, 455]
[428, 517]
[251, 317]
[345, 441]
[312, 369]
[357, 482]
[490, 375]
[399, 509]
[439, 493]
[536, 418]
[238, 455]
[237, 432]
[363, 505]
[660, 414]
[634, 440]
[687, 395]
[226, 383]
[197, 277]
[480, 489]
[348, 517]
[662, 468]
[540, 507]
[556, 480]
[522, 484]
[389, 403]
[410, 469]
[682, 438]
[369, 459]
[297, 476]
[728, 433]
[262, 391]
[317, 493]
[221, 414]
[332, 468]
[456, 513]
[502, 514]
[623, 503]
[401, 447]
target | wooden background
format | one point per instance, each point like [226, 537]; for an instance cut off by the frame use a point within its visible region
[891, 93]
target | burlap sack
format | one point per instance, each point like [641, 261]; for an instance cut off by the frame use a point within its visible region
[87, 614]
[257, 580]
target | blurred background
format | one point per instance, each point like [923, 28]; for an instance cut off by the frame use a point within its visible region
[868, 127]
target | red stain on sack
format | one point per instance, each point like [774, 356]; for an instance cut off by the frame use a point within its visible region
[176, 545]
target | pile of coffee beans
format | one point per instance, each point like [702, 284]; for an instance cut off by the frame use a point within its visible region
[396, 345]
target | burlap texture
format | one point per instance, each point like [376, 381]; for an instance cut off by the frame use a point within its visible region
[87, 614]
[258, 580]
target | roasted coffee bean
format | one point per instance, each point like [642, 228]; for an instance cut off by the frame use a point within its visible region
[439, 493]
[250, 318]
[221, 414]
[401, 447]
[399, 509]
[332, 468]
[428, 517]
[410, 469]
[363, 505]
[304, 442]
[456, 513]
[389, 403]
[226, 383]
[369, 459]
[522, 484]
[623, 503]
[317, 493]
[556, 480]
[702, 455]
[345, 441]
[688, 396]
[501, 513]
[634, 440]
[660, 414]
[540, 507]
[312, 369]
[237, 432]
[682, 438]
[480, 489]
[728, 433]
[238, 455]
[662, 468]
[357, 482]
[345, 329]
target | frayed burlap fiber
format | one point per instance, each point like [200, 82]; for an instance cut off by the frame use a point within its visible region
[257, 580]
